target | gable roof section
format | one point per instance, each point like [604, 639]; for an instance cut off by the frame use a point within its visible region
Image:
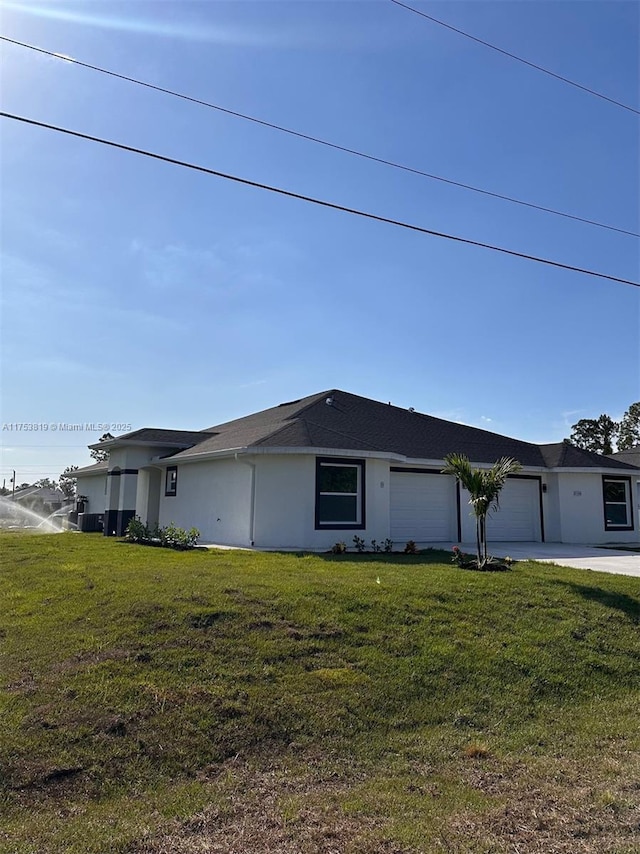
[630, 456]
[565, 455]
[359, 424]
[94, 468]
[157, 436]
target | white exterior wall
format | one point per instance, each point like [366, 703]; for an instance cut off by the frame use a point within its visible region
[93, 487]
[148, 486]
[551, 509]
[285, 504]
[214, 497]
[582, 509]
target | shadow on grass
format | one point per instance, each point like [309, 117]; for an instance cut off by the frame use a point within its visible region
[424, 557]
[619, 601]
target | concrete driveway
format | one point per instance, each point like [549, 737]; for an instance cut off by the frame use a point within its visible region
[580, 557]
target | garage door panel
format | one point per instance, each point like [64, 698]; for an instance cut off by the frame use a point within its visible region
[423, 507]
[518, 519]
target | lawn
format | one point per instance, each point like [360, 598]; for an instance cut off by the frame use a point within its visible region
[156, 702]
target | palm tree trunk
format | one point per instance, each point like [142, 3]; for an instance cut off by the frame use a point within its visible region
[478, 540]
[482, 549]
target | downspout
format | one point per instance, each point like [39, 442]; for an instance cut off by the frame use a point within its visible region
[252, 505]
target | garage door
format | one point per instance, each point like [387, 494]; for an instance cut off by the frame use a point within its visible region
[423, 507]
[518, 519]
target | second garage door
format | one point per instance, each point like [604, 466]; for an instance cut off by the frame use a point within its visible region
[423, 507]
[518, 519]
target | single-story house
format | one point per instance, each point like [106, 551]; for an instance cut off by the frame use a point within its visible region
[44, 499]
[325, 468]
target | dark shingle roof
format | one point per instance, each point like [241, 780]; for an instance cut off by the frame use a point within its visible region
[96, 468]
[159, 436]
[630, 456]
[357, 423]
[565, 455]
[354, 423]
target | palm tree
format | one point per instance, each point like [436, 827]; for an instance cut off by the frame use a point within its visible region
[483, 486]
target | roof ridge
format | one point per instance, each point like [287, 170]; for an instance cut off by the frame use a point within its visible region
[283, 427]
[340, 433]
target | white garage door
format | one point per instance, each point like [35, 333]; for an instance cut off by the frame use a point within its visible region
[423, 507]
[518, 519]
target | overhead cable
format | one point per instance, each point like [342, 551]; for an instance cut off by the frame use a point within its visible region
[320, 141]
[311, 200]
[516, 57]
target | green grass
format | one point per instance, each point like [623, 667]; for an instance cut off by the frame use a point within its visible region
[157, 701]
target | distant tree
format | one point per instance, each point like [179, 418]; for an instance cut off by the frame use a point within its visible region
[629, 428]
[67, 482]
[45, 483]
[98, 455]
[594, 434]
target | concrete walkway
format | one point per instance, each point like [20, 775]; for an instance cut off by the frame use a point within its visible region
[580, 557]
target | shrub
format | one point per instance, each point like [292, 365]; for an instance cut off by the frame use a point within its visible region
[338, 548]
[169, 537]
[375, 546]
[411, 548]
[137, 531]
[359, 544]
[388, 545]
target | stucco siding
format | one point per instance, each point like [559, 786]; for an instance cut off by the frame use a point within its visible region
[214, 497]
[285, 504]
[93, 488]
[582, 510]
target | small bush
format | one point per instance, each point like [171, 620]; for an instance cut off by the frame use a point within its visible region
[411, 548]
[375, 546]
[388, 546]
[338, 548]
[137, 531]
[359, 544]
[169, 537]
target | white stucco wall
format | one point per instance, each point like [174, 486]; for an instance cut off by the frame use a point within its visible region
[214, 497]
[93, 487]
[285, 504]
[582, 510]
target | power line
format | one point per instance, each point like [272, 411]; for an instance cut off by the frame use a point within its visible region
[320, 141]
[332, 205]
[518, 58]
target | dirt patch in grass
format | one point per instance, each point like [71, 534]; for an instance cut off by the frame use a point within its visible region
[563, 808]
[269, 811]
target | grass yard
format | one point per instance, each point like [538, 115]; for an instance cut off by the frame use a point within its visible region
[156, 702]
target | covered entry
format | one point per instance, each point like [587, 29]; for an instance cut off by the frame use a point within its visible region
[519, 516]
[423, 506]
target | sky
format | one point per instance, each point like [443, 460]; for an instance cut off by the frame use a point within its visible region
[137, 293]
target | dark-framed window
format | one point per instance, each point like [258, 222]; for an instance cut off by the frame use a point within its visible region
[340, 490]
[171, 481]
[616, 493]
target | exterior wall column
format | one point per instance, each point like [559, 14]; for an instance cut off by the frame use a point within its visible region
[127, 499]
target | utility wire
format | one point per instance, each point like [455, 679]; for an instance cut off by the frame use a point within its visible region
[314, 201]
[318, 140]
[518, 58]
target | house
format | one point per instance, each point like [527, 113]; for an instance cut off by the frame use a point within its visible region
[310, 472]
[43, 499]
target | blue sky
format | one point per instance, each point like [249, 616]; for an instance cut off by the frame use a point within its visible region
[135, 292]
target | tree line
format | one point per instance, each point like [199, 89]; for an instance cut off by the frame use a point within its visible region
[66, 482]
[603, 435]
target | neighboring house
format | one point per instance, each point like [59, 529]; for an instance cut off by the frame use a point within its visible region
[314, 471]
[42, 499]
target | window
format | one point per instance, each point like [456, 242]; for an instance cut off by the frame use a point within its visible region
[171, 481]
[617, 504]
[339, 494]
